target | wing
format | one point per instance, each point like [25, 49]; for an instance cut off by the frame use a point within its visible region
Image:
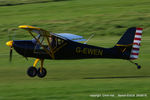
[35, 30]
[40, 31]
[72, 37]
[43, 32]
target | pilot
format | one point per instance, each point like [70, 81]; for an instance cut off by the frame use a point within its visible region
[53, 41]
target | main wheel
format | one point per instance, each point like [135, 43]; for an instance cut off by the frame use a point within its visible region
[32, 71]
[42, 73]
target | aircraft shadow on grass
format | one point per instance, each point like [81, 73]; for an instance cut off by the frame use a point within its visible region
[116, 77]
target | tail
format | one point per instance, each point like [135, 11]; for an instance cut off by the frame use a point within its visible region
[129, 44]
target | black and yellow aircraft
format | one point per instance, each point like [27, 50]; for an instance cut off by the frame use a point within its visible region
[48, 45]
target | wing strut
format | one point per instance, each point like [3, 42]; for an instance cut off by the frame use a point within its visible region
[51, 54]
[49, 45]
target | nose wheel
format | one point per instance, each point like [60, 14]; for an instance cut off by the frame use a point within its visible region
[33, 71]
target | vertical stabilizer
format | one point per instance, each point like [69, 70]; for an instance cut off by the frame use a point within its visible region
[129, 44]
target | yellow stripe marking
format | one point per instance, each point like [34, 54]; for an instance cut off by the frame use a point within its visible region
[123, 45]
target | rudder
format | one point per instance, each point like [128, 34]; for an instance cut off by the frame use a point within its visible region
[136, 44]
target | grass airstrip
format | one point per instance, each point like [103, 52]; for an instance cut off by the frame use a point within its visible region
[86, 79]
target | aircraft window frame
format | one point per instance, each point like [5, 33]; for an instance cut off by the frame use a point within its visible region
[34, 40]
[43, 40]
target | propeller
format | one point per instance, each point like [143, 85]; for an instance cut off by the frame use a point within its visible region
[10, 44]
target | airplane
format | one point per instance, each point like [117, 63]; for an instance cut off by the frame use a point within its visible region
[57, 46]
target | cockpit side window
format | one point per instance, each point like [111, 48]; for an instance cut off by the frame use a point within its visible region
[34, 40]
[54, 42]
[60, 41]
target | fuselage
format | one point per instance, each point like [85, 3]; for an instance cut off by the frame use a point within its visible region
[70, 50]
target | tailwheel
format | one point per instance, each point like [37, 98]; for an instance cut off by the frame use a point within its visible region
[41, 72]
[32, 71]
[138, 67]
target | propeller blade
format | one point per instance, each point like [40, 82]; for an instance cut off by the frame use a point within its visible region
[10, 56]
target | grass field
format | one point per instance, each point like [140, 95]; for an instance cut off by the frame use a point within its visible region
[76, 79]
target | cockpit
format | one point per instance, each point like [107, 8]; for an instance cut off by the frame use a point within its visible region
[50, 42]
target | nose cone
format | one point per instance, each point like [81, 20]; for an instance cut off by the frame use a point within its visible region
[9, 43]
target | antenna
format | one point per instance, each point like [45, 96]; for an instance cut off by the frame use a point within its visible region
[89, 38]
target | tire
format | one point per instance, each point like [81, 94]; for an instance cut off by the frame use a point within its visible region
[32, 71]
[41, 74]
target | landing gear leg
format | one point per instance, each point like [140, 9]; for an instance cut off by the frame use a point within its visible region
[138, 66]
[41, 72]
